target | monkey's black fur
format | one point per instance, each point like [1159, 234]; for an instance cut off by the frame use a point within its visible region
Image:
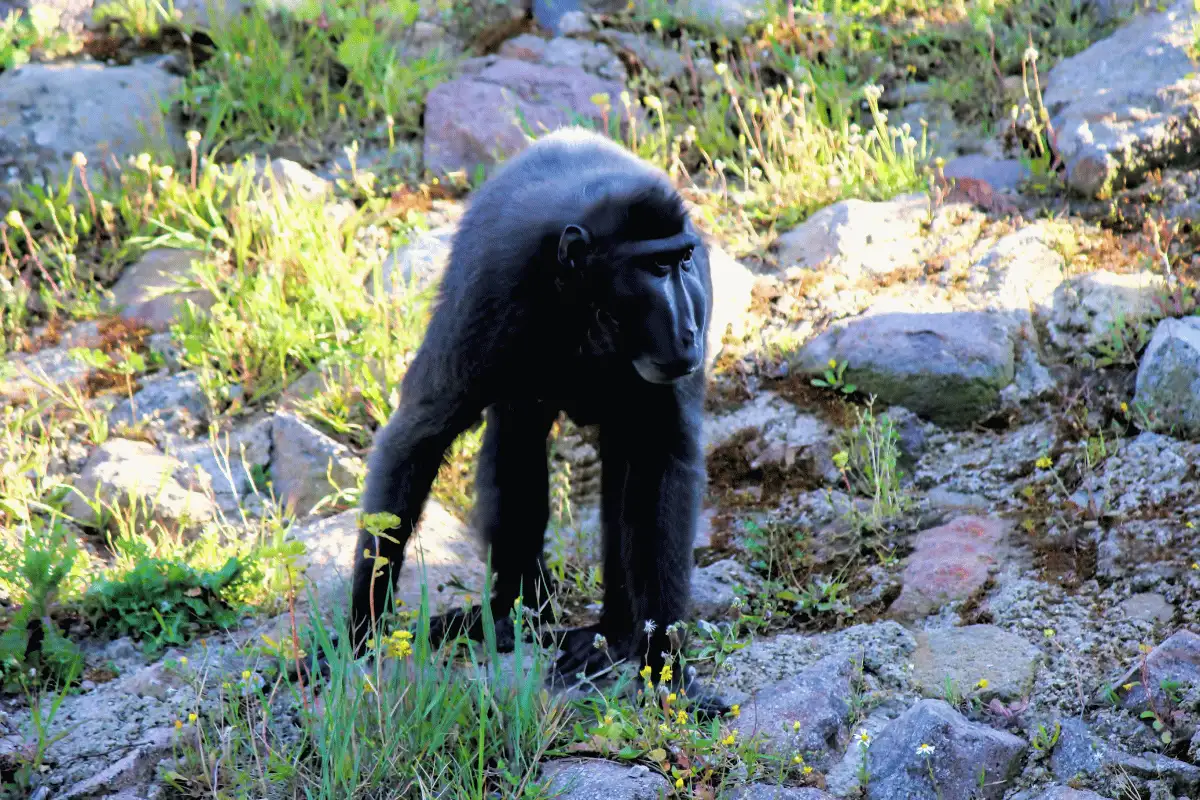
[576, 283]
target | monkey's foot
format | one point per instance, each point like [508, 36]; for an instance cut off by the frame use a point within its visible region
[706, 702]
[580, 653]
[458, 622]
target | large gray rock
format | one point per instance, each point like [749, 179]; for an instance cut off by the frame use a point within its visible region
[731, 17]
[473, 121]
[948, 367]
[1113, 123]
[151, 292]
[1168, 377]
[50, 111]
[596, 779]
[973, 653]
[817, 698]
[304, 461]
[858, 238]
[139, 480]
[961, 750]
[442, 553]
[732, 285]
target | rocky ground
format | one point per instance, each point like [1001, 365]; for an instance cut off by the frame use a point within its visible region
[949, 545]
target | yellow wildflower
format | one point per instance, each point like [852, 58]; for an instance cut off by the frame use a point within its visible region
[178, 724]
[736, 710]
[681, 718]
[983, 683]
[665, 674]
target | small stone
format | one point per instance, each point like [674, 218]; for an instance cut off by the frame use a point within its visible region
[973, 653]
[948, 563]
[1168, 377]
[139, 479]
[1002, 174]
[818, 698]
[595, 779]
[419, 264]
[769, 431]
[176, 402]
[1067, 793]
[961, 751]
[1085, 308]
[304, 460]
[1148, 607]
[1175, 659]
[763, 791]
[139, 293]
[713, 587]
[944, 498]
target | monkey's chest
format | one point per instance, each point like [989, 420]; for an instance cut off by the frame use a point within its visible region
[586, 389]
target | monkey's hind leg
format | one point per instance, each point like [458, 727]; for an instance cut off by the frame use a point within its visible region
[512, 486]
[403, 465]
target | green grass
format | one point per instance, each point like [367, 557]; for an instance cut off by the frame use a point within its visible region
[320, 74]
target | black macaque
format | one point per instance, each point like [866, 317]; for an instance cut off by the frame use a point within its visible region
[577, 283]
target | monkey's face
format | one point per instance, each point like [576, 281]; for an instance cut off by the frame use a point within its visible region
[659, 301]
[655, 293]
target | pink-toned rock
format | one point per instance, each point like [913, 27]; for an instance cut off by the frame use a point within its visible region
[477, 119]
[949, 563]
[139, 291]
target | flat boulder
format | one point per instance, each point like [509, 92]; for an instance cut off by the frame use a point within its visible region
[48, 112]
[1115, 124]
[948, 367]
[949, 563]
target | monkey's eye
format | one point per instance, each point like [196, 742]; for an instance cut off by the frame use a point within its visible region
[661, 270]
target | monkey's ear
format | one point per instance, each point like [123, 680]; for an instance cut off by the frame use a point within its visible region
[573, 245]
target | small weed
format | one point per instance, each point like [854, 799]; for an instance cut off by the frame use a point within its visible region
[164, 602]
[833, 378]
[1043, 740]
[869, 461]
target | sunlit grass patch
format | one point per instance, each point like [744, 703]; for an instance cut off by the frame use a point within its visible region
[320, 73]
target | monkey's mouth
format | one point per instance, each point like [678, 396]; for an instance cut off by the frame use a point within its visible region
[665, 372]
